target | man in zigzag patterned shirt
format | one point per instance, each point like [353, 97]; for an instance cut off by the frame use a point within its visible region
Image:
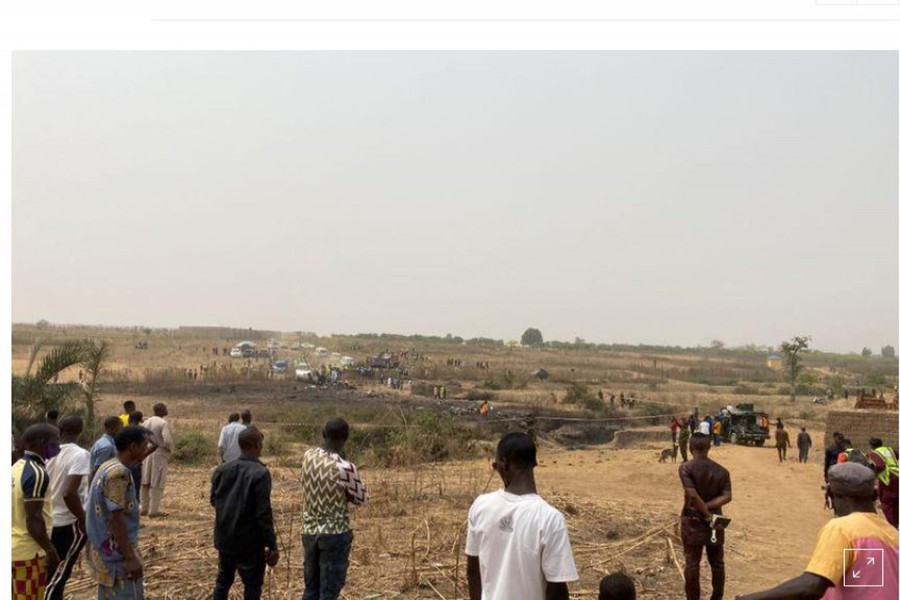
[330, 482]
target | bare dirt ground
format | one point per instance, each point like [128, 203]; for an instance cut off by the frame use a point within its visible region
[620, 503]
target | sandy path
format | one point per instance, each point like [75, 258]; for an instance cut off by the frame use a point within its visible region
[777, 508]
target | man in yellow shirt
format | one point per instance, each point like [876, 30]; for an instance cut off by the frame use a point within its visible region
[32, 514]
[856, 554]
[129, 407]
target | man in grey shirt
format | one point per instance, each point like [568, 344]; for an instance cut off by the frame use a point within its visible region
[228, 439]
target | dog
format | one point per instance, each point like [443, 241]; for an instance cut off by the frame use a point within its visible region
[668, 453]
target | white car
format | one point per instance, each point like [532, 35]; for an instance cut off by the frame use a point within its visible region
[303, 372]
[347, 361]
[236, 353]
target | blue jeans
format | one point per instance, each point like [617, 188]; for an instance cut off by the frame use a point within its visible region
[325, 561]
[122, 589]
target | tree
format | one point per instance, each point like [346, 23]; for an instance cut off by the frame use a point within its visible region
[717, 344]
[95, 358]
[888, 352]
[866, 352]
[33, 394]
[792, 361]
[532, 337]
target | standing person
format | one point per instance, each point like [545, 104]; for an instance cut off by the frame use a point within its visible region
[52, 417]
[329, 483]
[105, 446]
[156, 466]
[804, 443]
[244, 531]
[246, 417]
[884, 463]
[832, 451]
[113, 521]
[68, 473]
[517, 545]
[229, 448]
[137, 469]
[707, 488]
[782, 442]
[839, 566]
[684, 435]
[673, 427]
[692, 423]
[33, 554]
[129, 408]
[717, 432]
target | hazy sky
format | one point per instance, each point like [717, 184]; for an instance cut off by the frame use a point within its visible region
[653, 197]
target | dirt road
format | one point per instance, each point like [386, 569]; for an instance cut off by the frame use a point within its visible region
[777, 508]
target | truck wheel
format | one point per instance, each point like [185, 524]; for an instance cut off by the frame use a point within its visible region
[734, 438]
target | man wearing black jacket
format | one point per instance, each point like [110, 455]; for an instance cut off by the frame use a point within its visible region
[832, 452]
[244, 531]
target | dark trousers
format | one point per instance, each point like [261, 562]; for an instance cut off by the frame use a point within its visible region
[325, 561]
[68, 541]
[889, 508]
[715, 554]
[137, 471]
[695, 536]
[252, 570]
[782, 453]
[804, 454]
[682, 447]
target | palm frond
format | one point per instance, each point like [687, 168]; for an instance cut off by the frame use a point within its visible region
[95, 358]
[32, 354]
[67, 354]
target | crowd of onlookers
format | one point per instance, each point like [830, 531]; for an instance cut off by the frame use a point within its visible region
[66, 499]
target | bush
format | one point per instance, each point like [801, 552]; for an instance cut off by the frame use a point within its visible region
[194, 447]
[275, 443]
[747, 390]
[577, 393]
[479, 395]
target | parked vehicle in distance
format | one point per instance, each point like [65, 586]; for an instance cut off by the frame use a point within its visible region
[264, 353]
[347, 361]
[747, 426]
[280, 366]
[303, 372]
[320, 351]
[307, 345]
[236, 353]
[295, 346]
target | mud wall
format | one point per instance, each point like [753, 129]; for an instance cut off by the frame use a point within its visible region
[643, 438]
[860, 425]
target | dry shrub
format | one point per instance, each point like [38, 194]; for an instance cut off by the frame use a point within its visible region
[195, 447]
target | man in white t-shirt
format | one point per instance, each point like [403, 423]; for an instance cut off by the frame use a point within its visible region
[69, 472]
[517, 544]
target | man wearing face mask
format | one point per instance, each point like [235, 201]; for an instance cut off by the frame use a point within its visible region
[33, 554]
[517, 544]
